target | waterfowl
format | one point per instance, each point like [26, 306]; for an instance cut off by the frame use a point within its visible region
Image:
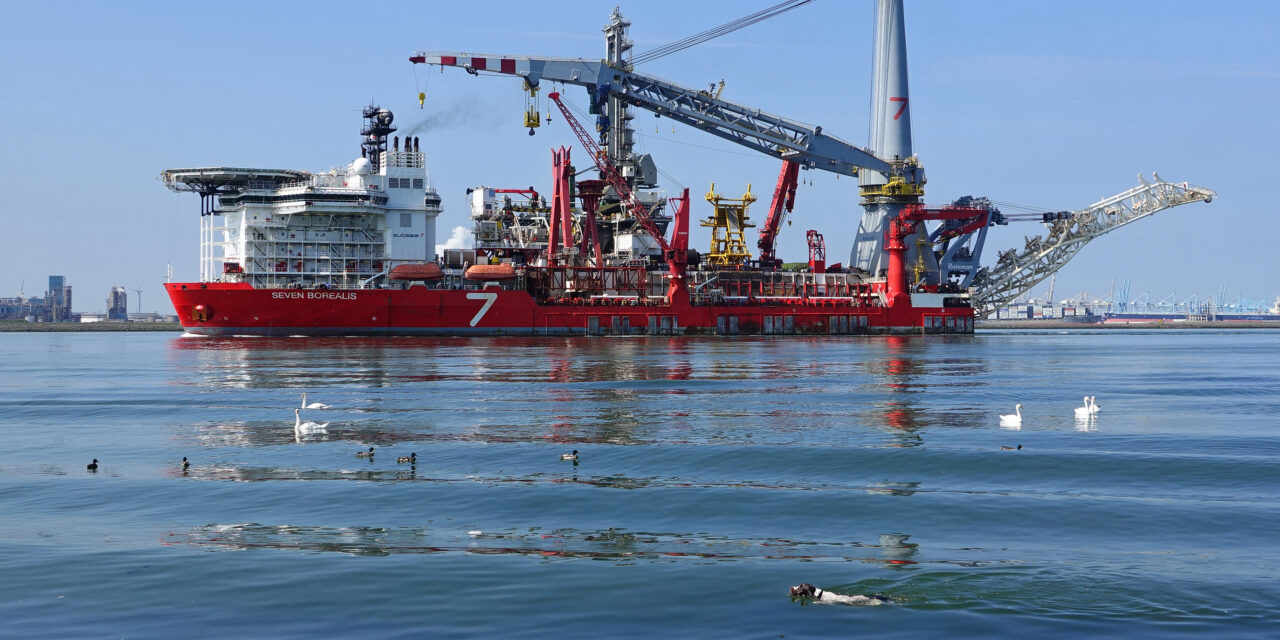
[1086, 410]
[1093, 404]
[92, 466]
[313, 405]
[306, 428]
[570, 456]
[411, 459]
[1017, 448]
[185, 465]
[365, 454]
[1013, 419]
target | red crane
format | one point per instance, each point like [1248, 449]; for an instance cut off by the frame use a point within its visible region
[817, 252]
[972, 218]
[632, 204]
[784, 197]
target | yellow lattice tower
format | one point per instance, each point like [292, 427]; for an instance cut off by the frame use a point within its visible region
[919, 268]
[727, 224]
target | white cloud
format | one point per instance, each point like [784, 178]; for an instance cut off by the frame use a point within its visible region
[460, 239]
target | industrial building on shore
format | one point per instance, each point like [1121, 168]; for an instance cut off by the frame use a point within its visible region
[55, 306]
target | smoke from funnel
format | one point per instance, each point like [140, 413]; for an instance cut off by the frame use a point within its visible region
[466, 111]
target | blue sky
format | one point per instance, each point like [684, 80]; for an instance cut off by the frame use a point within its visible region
[1054, 105]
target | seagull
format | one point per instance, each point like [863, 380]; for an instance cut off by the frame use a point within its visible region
[1005, 448]
[313, 405]
[1013, 419]
[92, 466]
[411, 459]
[365, 454]
[301, 428]
[1086, 410]
[570, 456]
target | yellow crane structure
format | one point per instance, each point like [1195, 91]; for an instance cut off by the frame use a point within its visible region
[727, 225]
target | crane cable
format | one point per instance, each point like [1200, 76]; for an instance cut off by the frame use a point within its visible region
[728, 27]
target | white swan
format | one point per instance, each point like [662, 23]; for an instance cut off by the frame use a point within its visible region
[313, 405]
[1093, 404]
[1086, 410]
[306, 428]
[1013, 419]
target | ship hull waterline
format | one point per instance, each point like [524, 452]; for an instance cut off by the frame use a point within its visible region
[223, 309]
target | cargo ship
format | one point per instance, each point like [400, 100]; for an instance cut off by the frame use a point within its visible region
[352, 250]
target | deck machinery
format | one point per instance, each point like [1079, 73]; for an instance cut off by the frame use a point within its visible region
[945, 258]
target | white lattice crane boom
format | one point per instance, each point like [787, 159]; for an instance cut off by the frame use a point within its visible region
[1016, 272]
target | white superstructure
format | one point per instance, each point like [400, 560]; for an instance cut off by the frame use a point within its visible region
[342, 228]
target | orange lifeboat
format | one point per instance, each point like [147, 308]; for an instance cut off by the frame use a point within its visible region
[429, 271]
[502, 271]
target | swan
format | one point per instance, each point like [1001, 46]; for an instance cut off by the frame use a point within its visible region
[411, 459]
[570, 456]
[313, 405]
[306, 428]
[1013, 419]
[1093, 404]
[365, 454]
[1086, 410]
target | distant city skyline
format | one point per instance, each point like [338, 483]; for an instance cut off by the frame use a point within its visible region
[1051, 105]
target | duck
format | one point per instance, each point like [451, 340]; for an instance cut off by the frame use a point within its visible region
[313, 405]
[306, 428]
[1093, 404]
[1013, 419]
[1086, 410]
[411, 459]
[92, 466]
[570, 456]
[185, 465]
[365, 454]
[1006, 448]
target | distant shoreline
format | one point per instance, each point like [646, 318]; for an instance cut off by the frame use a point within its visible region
[1060, 324]
[44, 327]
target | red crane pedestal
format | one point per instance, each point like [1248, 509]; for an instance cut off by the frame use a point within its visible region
[904, 225]
[896, 284]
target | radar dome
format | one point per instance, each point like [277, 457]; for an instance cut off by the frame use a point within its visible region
[361, 167]
[384, 115]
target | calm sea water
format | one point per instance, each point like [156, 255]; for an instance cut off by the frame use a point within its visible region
[714, 474]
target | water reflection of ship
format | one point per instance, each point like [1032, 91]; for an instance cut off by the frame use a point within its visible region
[605, 544]
[896, 550]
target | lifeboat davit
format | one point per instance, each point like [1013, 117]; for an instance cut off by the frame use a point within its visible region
[504, 271]
[429, 271]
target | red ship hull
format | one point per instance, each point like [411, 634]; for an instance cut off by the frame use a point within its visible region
[222, 309]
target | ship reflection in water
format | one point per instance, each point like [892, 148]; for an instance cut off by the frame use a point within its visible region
[604, 544]
[580, 390]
